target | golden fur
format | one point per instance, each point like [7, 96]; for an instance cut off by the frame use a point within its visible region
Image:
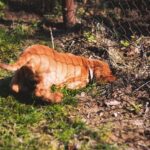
[46, 67]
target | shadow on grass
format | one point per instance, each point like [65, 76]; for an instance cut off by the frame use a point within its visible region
[4, 87]
[21, 97]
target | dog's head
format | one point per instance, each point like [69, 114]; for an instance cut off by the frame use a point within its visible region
[102, 72]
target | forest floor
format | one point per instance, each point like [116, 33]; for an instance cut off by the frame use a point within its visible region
[110, 116]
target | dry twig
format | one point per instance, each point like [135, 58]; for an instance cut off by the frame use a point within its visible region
[141, 86]
[52, 38]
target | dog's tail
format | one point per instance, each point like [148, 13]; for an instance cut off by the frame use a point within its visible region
[23, 59]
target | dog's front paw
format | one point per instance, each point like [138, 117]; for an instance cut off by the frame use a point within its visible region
[57, 97]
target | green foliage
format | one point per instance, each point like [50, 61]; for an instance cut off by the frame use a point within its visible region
[124, 43]
[15, 119]
[60, 126]
[90, 37]
[69, 95]
[23, 30]
[80, 11]
[9, 45]
[105, 132]
[2, 5]
[4, 73]
[18, 122]
[135, 107]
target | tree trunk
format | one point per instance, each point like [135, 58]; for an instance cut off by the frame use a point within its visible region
[68, 8]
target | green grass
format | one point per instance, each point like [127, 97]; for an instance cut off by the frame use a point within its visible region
[21, 123]
[38, 126]
[9, 45]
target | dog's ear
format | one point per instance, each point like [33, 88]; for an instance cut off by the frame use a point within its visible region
[103, 74]
[110, 78]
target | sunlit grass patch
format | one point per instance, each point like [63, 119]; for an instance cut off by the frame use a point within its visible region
[2, 7]
[23, 30]
[2, 4]
[9, 46]
[15, 120]
[59, 125]
[20, 123]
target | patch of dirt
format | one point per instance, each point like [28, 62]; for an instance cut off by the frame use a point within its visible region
[126, 109]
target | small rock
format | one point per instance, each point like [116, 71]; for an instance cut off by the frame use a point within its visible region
[115, 114]
[112, 103]
[82, 94]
